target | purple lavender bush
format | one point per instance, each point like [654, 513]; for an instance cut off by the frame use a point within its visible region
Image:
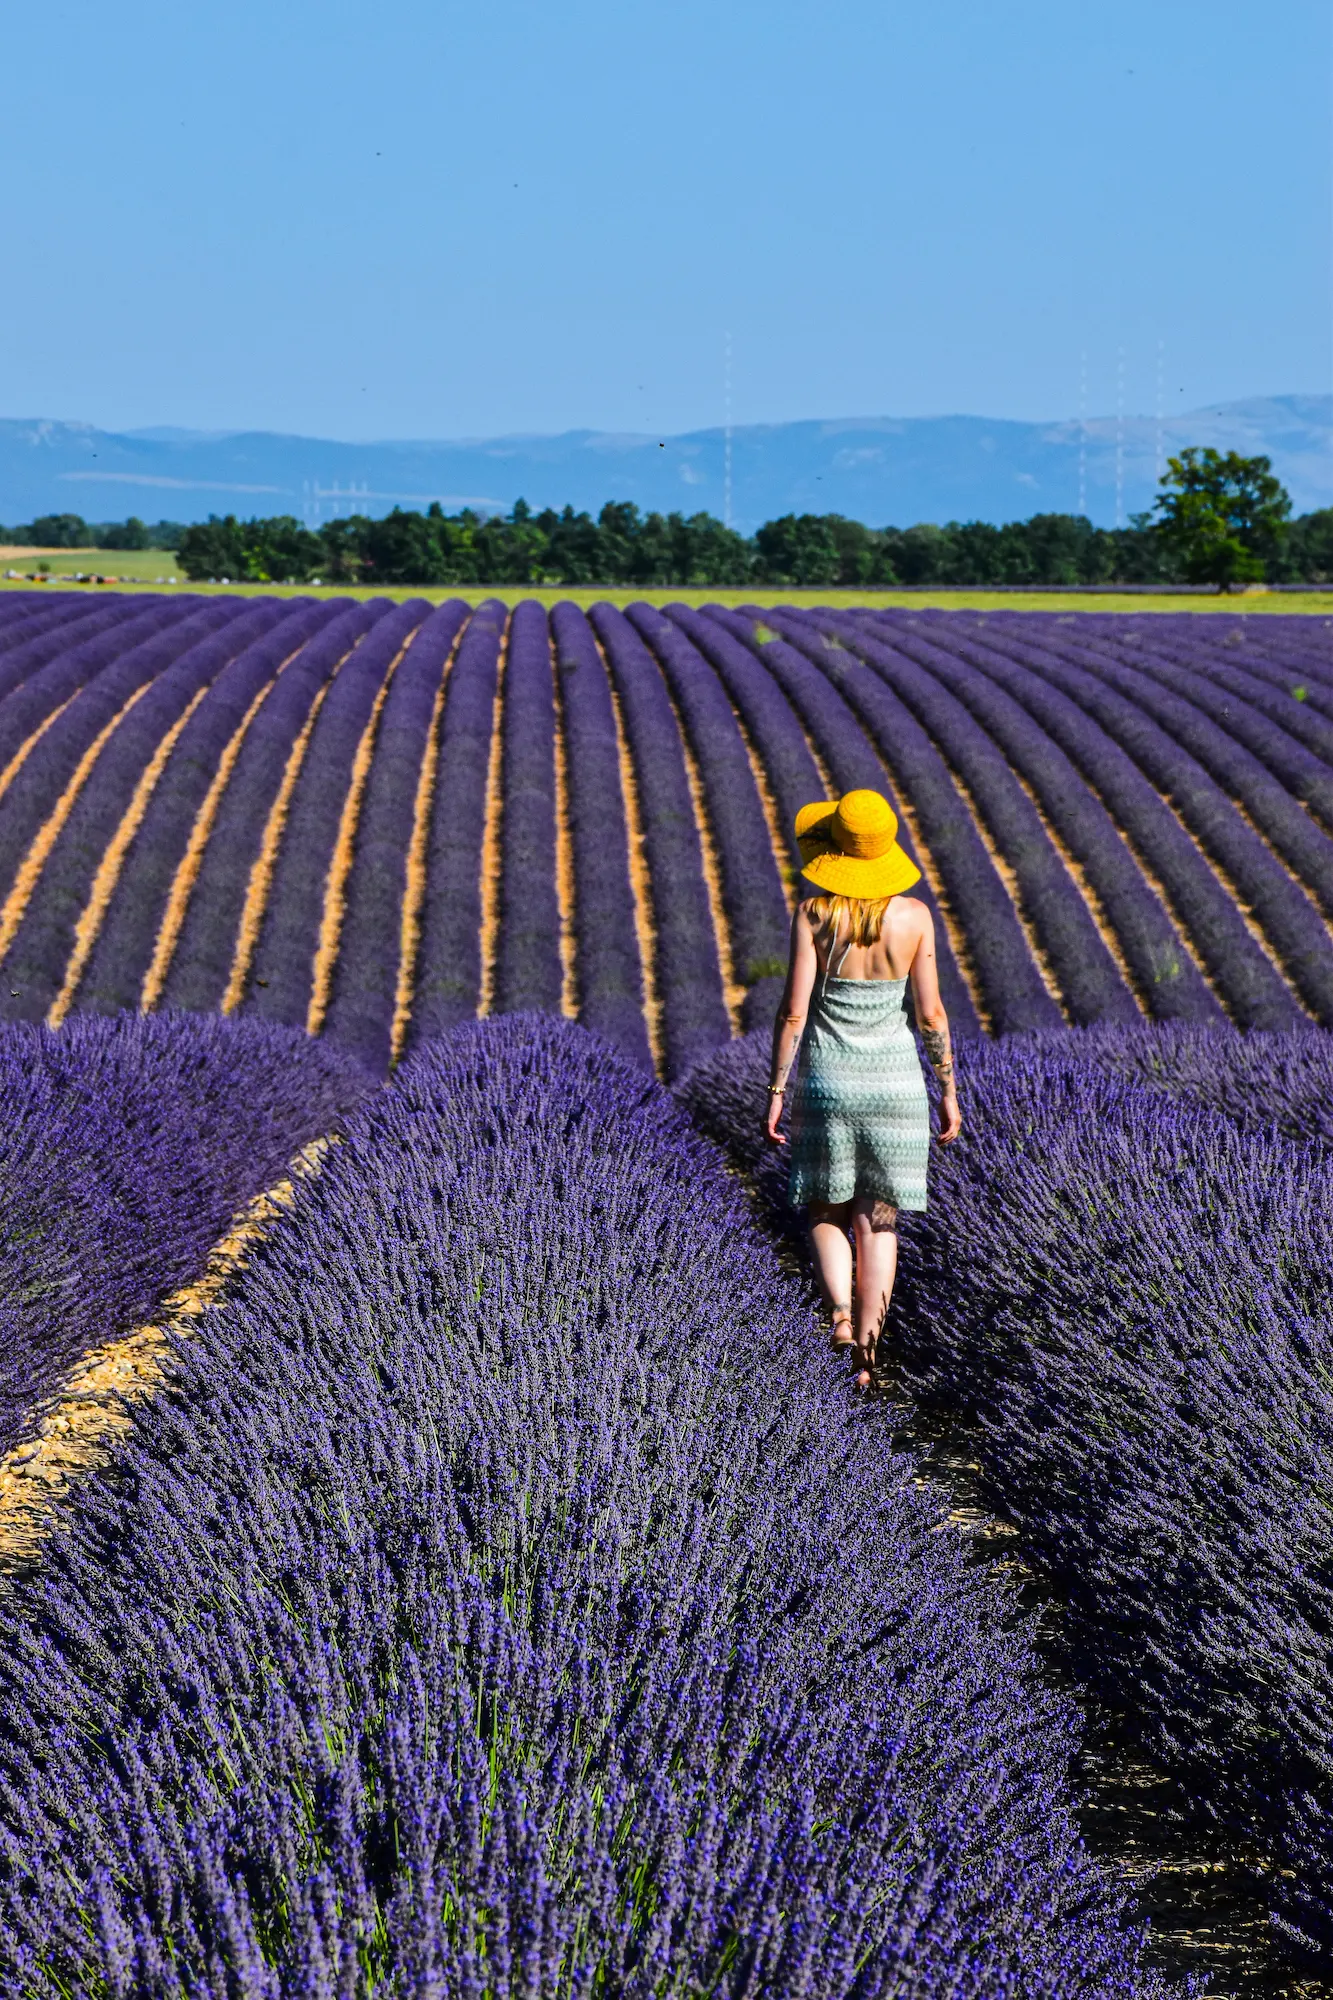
[1088, 978]
[1262, 1082]
[529, 973]
[1129, 1297]
[29, 614]
[769, 719]
[90, 639]
[128, 1144]
[1282, 910]
[126, 654]
[34, 965]
[447, 986]
[608, 972]
[201, 964]
[688, 970]
[752, 891]
[1007, 975]
[114, 975]
[506, 1602]
[365, 975]
[1231, 745]
[1287, 733]
[1071, 706]
[1153, 950]
[281, 973]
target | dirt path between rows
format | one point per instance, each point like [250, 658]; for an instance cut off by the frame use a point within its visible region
[80, 1426]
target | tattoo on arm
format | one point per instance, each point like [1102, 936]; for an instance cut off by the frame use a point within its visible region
[937, 1053]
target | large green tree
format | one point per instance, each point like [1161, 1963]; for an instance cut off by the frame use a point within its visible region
[1222, 516]
[58, 531]
[799, 549]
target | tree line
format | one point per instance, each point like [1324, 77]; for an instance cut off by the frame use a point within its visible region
[1218, 518]
[71, 531]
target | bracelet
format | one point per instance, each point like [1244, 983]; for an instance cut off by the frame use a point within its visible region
[777, 1090]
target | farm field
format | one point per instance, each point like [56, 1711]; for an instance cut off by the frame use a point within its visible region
[374, 820]
[477, 1578]
[135, 566]
[1254, 600]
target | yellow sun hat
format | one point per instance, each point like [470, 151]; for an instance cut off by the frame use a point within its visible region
[850, 847]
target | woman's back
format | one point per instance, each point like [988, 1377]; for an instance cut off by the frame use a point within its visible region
[891, 954]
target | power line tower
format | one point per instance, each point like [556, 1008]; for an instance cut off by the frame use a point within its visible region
[1120, 438]
[726, 447]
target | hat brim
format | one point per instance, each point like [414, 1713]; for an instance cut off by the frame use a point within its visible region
[813, 827]
[850, 875]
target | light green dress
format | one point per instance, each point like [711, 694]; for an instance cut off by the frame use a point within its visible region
[860, 1114]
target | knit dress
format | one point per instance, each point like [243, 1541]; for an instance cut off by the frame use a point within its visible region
[860, 1115]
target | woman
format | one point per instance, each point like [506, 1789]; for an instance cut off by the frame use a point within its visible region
[860, 1116]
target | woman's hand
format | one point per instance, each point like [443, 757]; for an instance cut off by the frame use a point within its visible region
[951, 1117]
[771, 1122]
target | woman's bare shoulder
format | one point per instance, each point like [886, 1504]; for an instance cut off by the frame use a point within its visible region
[912, 911]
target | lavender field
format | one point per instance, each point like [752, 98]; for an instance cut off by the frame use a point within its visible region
[498, 1590]
[374, 821]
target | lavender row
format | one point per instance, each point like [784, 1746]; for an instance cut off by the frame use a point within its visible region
[1148, 1385]
[1081, 717]
[62, 669]
[448, 969]
[365, 976]
[1282, 910]
[528, 968]
[1296, 688]
[429, 1641]
[1088, 977]
[1236, 745]
[752, 893]
[845, 747]
[123, 949]
[608, 971]
[1263, 1083]
[1010, 984]
[56, 759]
[768, 716]
[838, 738]
[1287, 675]
[127, 1147]
[686, 964]
[34, 966]
[1238, 704]
[19, 607]
[281, 973]
[1151, 1383]
[93, 639]
[1154, 953]
[1063, 698]
[1280, 662]
[201, 963]
[42, 617]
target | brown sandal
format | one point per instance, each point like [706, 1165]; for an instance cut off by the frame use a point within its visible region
[842, 1316]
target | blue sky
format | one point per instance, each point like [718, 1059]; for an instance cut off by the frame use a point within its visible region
[431, 220]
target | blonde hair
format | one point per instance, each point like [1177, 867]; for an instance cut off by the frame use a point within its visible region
[864, 914]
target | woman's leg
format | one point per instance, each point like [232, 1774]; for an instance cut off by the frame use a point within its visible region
[829, 1221]
[875, 1230]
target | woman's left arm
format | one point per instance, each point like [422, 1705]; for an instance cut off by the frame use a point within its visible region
[802, 966]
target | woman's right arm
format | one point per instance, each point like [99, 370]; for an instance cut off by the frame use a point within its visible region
[933, 1022]
[802, 966]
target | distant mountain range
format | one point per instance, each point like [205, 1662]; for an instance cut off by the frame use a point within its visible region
[883, 470]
